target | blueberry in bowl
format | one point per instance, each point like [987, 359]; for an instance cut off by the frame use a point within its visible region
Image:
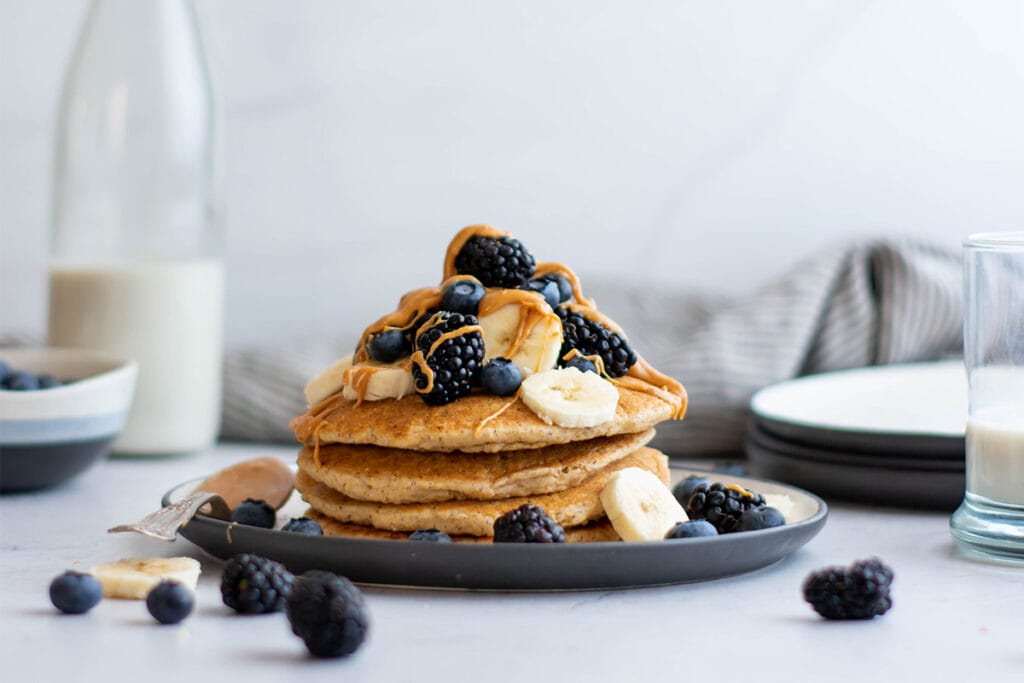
[60, 411]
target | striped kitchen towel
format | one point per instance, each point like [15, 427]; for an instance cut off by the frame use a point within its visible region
[865, 304]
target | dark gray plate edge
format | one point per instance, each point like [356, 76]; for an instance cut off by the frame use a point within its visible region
[892, 444]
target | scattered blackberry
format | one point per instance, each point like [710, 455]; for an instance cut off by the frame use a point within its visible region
[857, 592]
[547, 289]
[388, 346]
[580, 363]
[303, 525]
[684, 489]
[328, 613]
[170, 601]
[455, 363]
[255, 585]
[695, 528]
[431, 535]
[760, 518]
[254, 513]
[722, 505]
[75, 592]
[495, 261]
[527, 524]
[590, 337]
[463, 296]
[501, 377]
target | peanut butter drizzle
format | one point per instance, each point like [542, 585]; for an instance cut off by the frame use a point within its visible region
[460, 239]
[642, 377]
[420, 359]
[549, 267]
[483, 423]
[532, 311]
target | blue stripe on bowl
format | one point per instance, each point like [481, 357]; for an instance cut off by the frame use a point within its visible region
[24, 432]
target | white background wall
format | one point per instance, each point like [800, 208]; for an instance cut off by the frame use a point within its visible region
[705, 144]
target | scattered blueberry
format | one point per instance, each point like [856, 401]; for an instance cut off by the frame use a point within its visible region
[760, 518]
[432, 535]
[684, 489]
[75, 592]
[328, 613]
[21, 380]
[169, 602]
[388, 346]
[548, 289]
[695, 528]
[581, 363]
[501, 377]
[303, 525]
[463, 296]
[254, 513]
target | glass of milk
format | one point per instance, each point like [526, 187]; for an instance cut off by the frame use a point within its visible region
[990, 520]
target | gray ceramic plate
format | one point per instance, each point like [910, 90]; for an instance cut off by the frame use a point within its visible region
[531, 567]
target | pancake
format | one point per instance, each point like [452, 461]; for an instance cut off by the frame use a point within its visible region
[571, 507]
[598, 530]
[472, 424]
[386, 475]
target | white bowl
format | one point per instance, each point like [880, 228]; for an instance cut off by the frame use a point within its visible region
[48, 436]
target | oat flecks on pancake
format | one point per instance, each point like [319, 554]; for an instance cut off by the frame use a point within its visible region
[388, 475]
[411, 424]
[570, 507]
[596, 531]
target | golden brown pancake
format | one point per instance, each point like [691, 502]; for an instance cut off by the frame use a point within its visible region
[388, 475]
[598, 530]
[571, 507]
[472, 424]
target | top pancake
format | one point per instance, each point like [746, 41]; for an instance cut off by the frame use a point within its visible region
[463, 425]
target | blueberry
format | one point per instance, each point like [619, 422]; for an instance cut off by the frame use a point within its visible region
[75, 592]
[548, 289]
[5, 370]
[388, 346]
[48, 381]
[254, 513]
[501, 377]
[303, 525]
[695, 528]
[760, 518]
[562, 282]
[581, 363]
[463, 296]
[21, 380]
[432, 535]
[169, 602]
[684, 489]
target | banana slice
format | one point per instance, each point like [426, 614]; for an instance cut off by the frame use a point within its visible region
[538, 350]
[328, 382]
[133, 578]
[570, 398]
[639, 506]
[380, 381]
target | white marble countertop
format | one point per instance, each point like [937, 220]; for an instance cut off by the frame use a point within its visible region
[953, 619]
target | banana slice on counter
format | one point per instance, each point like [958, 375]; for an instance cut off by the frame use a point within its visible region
[328, 382]
[382, 381]
[133, 578]
[570, 398]
[537, 351]
[639, 506]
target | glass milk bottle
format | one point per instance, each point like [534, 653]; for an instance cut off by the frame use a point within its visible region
[136, 266]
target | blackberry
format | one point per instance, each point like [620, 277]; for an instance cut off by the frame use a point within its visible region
[495, 261]
[501, 377]
[170, 601]
[75, 592]
[527, 524]
[860, 591]
[722, 505]
[590, 337]
[328, 613]
[695, 528]
[388, 346]
[431, 535]
[455, 363]
[255, 585]
[463, 296]
[303, 525]
[254, 513]
[684, 489]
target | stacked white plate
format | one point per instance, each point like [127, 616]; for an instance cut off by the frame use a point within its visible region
[889, 435]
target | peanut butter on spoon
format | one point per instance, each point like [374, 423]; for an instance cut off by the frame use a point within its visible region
[266, 479]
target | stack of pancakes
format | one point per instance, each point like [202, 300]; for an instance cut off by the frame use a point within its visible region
[383, 469]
